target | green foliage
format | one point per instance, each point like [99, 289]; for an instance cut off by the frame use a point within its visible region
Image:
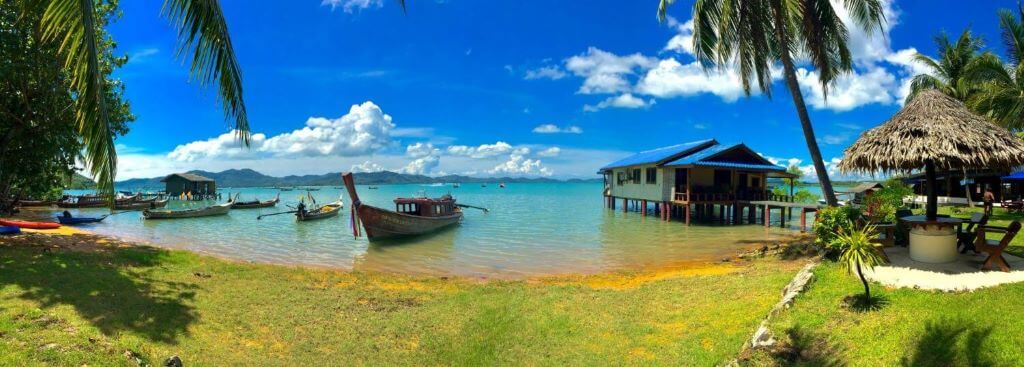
[884, 203]
[858, 252]
[805, 196]
[830, 222]
[39, 141]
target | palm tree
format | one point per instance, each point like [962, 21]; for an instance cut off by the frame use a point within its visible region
[204, 41]
[1001, 96]
[959, 70]
[860, 253]
[755, 34]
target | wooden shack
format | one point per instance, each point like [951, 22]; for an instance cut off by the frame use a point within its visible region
[700, 177]
[181, 183]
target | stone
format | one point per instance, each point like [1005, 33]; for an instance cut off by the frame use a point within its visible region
[174, 361]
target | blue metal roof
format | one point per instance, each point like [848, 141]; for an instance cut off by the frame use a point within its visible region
[767, 167]
[1017, 175]
[660, 154]
[696, 157]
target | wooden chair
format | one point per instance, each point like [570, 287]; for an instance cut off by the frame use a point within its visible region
[965, 237]
[1012, 206]
[994, 249]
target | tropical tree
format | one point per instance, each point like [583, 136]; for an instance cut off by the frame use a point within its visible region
[1001, 95]
[798, 175]
[755, 34]
[859, 253]
[959, 70]
[73, 27]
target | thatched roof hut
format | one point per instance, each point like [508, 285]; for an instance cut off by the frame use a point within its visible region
[933, 130]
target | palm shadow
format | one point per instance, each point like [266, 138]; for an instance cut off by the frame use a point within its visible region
[939, 346]
[805, 348]
[109, 287]
[862, 303]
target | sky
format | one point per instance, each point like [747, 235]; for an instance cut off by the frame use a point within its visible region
[493, 88]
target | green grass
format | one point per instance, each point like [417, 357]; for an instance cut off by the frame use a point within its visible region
[91, 307]
[1000, 217]
[912, 327]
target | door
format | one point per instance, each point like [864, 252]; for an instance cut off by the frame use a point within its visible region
[681, 177]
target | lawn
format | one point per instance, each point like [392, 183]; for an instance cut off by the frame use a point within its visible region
[1000, 217]
[101, 305]
[912, 327]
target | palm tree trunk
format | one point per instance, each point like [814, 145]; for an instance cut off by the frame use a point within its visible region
[801, 108]
[867, 289]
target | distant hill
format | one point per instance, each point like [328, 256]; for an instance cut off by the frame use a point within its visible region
[251, 178]
[79, 182]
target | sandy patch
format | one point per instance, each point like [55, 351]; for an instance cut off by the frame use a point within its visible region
[964, 274]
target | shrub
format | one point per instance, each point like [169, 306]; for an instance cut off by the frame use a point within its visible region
[831, 221]
[859, 253]
[884, 203]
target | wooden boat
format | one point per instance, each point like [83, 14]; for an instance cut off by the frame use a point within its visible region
[88, 201]
[34, 203]
[312, 189]
[219, 209]
[501, 185]
[412, 216]
[255, 203]
[69, 220]
[28, 224]
[325, 211]
[140, 205]
[286, 188]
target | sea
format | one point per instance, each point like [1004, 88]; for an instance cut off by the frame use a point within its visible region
[531, 229]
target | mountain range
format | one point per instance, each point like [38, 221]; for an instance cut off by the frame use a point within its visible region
[251, 178]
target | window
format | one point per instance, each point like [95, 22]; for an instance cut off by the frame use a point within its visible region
[652, 175]
[635, 176]
[723, 178]
[620, 177]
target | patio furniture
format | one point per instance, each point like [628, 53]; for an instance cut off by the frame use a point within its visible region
[965, 236]
[994, 249]
[932, 240]
[1012, 206]
[885, 235]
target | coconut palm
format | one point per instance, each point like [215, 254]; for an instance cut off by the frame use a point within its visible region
[859, 253]
[204, 41]
[960, 69]
[755, 34]
[1001, 95]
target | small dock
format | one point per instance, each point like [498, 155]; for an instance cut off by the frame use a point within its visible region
[786, 210]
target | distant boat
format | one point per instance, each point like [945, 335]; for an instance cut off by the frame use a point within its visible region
[286, 188]
[413, 216]
[219, 209]
[312, 189]
[146, 204]
[483, 185]
[455, 185]
[254, 203]
[501, 185]
[372, 187]
[85, 201]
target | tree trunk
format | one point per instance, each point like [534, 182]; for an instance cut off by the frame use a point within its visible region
[867, 289]
[801, 108]
[967, 190]
[931, 206]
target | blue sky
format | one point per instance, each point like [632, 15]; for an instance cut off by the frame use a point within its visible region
[535, 88]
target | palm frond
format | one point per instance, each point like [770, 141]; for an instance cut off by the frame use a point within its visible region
[72, 24]
[824, 40]
[866, 13]
[662, 8]
[203, 31]
[923, 82]
[1012, 34]
[859, 248]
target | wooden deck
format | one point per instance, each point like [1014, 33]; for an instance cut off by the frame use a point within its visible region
[724, 208]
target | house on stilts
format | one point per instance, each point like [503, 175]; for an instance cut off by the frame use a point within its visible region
[702, 180]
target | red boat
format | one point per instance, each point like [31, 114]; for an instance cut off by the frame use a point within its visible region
[30, 225]
[412, 216]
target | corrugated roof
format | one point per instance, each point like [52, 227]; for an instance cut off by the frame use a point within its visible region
[189, 176]
[660, 155]
[698, 156]
[769, 167]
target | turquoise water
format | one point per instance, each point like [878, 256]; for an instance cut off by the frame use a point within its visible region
[532, 229]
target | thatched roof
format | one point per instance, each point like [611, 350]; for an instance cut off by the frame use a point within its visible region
[937, 127]
[189, 177]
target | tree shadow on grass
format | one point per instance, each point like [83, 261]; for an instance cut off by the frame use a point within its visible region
[940, 345]
[111, 288]
[862, 303]
[801, 347]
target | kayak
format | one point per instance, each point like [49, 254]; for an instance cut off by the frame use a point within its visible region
[27, 224]
[9, 230]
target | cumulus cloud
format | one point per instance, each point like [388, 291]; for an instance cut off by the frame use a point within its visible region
[550, 152]
[849, 91]
[481, 151]
[364, 129]
[427, 157]
[674, 79]
[350, 6]
[420, 150]
[555, 129]
[519, 165]
[625, 100]
[545, 72]
[367, 166]
[605, 72]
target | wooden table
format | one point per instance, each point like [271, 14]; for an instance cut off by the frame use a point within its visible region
[932, 241]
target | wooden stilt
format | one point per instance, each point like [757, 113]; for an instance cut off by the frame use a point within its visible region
[643, 208]
[625, 205]
[767, 215]
[686, 213]
[803, 220]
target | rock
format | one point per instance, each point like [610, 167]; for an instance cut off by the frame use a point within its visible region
[762, 337]
[174, 361]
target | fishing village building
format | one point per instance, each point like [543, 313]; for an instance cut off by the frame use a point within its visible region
[696, 180]
[177, 184]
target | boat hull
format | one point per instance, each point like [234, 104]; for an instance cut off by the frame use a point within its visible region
[381, 223]
[328, 211]
[142, 205]
[191, 213]
[29, 225]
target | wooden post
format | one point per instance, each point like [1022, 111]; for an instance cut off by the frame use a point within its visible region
[767, 215]
[625, 205]
[686, 213]
[803, 220]
[643, 208]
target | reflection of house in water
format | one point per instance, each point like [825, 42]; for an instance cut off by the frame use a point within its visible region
[953, 188]
[696, 178]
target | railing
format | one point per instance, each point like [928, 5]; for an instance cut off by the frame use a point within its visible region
[725, 196]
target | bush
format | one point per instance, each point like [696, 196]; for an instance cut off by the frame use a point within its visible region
[832, 221]
[883, 204]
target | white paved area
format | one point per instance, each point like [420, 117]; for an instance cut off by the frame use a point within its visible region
[964, 274]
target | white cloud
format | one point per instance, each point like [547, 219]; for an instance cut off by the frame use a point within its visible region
[367, 166]
[143, 54]
[364, 129]
[519, 165]
[673, 79]
[849, 91]
[835, 139]
[420, 150]
[700, 126]
[552, 72]
[550, 152]
[625, 100]
[554, 129]
[683, 41]
[350, 6]
[481, 151]
[421, 166]
[605, 72]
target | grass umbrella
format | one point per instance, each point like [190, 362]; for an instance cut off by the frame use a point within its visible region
[933, 131]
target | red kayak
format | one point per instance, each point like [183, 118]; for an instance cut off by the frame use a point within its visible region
[31, 225]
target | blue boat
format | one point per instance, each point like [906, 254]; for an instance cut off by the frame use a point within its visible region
[69, 220]
[9, 230]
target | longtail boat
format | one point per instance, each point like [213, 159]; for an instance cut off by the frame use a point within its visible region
[34, 203]
[219, 209]
[69, 220]
[140, 205]
[412, 216]
[254, 203]
[321, 212]
[87, 201]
